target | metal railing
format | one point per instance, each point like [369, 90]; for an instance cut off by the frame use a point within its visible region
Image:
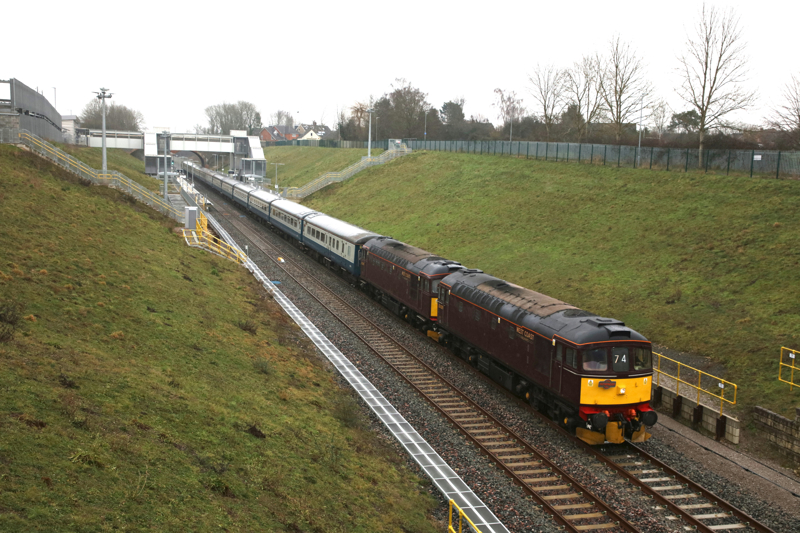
[202, 238]
[461, 518]
[335, 177]
[706, 383]
[111, 179]
[792, 356]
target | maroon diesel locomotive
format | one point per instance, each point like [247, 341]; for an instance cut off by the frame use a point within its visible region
[404, 279]
[592, 374]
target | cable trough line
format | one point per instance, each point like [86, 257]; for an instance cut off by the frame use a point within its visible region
[441, 474]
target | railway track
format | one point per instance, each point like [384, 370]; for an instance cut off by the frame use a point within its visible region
[699, 508]
[567, 501]
[570, 505]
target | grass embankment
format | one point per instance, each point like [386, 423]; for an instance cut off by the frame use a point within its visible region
[151, 386]
[116, 159]
[699, 263]
[304, 164]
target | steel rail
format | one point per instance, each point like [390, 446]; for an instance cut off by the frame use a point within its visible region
[692, 520]
[512, 447]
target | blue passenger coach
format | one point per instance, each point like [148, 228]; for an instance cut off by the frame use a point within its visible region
[335, 240]
[288, 217]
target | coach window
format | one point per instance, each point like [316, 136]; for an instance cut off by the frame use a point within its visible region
[477, 314]
[560, 352]
[493, 322]
[642, 359]
[512, 331]
[460, 306]
[596, 359]
[620, 359]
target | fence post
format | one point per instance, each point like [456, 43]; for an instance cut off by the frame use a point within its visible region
[591, 156]
[580, 145]
[708, 156]
[752, 159]
[537, 150]
[556, 152]
[481, 148]
[687, 161]
[495, 148]
[619, 154]
[651, 157]
[528, 150]
[778, 171]
[567, 152]
[667, 159]
[605, 153]
[635, 153]
[729, 163]
[546, 150]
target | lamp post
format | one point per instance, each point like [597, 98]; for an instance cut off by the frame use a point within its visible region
[102, 96]
[276, 176]
[369, 135]
[639, 154]
[165, 135]
[425, 135]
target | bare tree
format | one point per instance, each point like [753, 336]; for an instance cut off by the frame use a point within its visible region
[623, 85]
[660, 117]
[508, 107]
[281, 118]
[223, 118]
[786, 117]
[714, 69]
[118, 117]
[582, 88]
[548, 89]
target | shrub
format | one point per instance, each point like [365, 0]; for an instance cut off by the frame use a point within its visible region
[248, 325]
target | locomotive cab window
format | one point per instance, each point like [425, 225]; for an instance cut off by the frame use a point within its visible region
[642, 359]
[620, 359]
[595, 359]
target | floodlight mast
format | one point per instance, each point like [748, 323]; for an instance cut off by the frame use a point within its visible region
[102, 96]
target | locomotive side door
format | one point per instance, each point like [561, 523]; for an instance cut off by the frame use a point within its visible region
[557, 352]
[413, 290]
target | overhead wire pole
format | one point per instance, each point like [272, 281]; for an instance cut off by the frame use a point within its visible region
[276, 176]
[369, 136]
[102, 96]
[165, 134]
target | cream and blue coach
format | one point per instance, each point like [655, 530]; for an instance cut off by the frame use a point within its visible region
[335, 243]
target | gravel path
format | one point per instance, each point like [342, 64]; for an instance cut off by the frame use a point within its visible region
[507, 501]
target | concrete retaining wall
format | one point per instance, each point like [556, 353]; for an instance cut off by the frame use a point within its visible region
[783, 432]
[706, 417]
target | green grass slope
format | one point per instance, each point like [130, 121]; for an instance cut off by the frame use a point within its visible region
[117, 159]
[145, 385]
[304, 164]
[700, 263]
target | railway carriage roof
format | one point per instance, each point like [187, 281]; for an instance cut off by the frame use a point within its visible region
[535, 311]
[244, 187]
[293, 208]
[265, 196]
[340, 228]
[411, 258]
[230, 181]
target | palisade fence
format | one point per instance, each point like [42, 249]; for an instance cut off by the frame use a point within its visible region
[769, 163]
[110, 178]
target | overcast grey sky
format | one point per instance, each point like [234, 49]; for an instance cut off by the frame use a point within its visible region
[312, 58]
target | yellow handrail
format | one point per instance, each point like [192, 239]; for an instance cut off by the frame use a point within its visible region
[721, 383]
[461, 515]
[792, 357]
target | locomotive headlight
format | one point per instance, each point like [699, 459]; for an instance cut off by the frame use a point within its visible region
[621, 390]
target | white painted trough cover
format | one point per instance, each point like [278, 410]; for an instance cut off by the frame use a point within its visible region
[446, 480]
